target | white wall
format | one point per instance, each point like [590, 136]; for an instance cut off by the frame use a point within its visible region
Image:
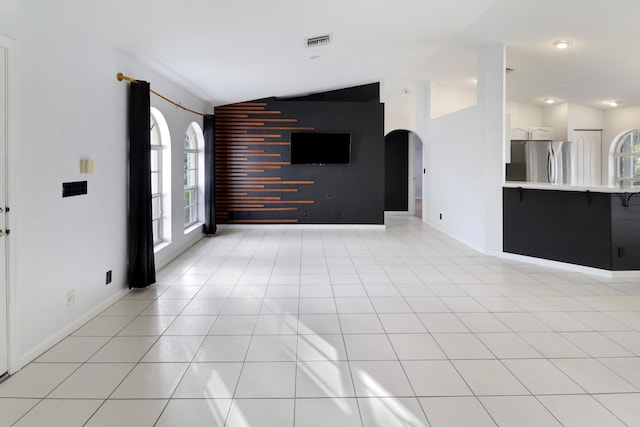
[446, 100]
[400, 99]
[581, 117]
[417, 165]
[524, 115]
[178, 121]
[72, 106]
[618, 120]
[491, 99]
[566, 117]
[556, 116]
[423, 124]
[465, 163]
[453, 187]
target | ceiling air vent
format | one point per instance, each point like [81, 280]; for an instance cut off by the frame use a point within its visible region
[318, 41]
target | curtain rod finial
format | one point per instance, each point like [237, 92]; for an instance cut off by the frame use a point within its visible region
[120, 77]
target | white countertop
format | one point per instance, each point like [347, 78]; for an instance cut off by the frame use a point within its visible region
[566, 187]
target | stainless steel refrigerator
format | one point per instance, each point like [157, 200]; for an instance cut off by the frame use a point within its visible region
[540, 161]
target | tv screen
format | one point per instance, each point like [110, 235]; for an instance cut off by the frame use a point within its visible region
[320, 148]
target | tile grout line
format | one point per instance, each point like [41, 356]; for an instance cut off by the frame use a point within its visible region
[344, 343]
[396, 239]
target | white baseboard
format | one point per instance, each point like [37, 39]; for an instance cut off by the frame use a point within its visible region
[35, 352]
[627, 274]
[398, 213]
[170, 252]
[548, 263]
[303, 226]
[443, 231]
[567, 266]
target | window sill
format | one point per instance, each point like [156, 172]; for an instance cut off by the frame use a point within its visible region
[160, 246]
[192, 228]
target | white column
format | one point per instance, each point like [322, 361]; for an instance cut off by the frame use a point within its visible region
[423, 120]
[491, 100]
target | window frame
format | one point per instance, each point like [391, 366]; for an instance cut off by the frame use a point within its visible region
[627, 162]
[156, 198]
[161, 198]
[194, 140]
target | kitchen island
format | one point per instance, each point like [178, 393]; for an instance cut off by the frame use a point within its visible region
[597, 226]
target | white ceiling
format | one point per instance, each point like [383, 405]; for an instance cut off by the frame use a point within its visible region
[241, 50]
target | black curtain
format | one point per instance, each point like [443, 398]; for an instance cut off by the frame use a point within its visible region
[142, 271]
[209, 176]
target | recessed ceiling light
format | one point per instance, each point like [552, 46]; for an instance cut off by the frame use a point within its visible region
[562, 44]
[549, 100]
[612, 103]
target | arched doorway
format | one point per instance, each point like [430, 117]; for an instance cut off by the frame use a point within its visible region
[403, 172]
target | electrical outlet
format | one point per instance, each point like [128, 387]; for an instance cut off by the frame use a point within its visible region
[440, 216]
[71, 297]
[108, 277]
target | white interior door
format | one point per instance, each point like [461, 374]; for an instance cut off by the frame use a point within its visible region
[588, 156]
[3, 214]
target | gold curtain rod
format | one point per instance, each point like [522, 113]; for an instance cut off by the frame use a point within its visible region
[122, 77]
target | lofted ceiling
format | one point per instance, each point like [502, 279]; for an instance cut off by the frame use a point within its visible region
[241, 50]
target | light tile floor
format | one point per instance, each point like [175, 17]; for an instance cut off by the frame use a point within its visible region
[397, 327]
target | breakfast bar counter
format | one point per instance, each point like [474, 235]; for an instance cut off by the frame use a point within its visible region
[597, 226]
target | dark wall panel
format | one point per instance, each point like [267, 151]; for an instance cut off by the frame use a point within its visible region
[565, 226]
[600, 230]
[364, 93]
[396, 165]
[255, 182]
[625, 231]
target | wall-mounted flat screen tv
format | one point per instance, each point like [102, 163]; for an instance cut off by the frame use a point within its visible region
[320, 148]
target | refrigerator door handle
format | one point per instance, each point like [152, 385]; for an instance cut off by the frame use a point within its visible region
[552, 166]
[549, 168]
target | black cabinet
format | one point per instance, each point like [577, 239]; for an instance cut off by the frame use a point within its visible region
[600, 230]
[625, 231]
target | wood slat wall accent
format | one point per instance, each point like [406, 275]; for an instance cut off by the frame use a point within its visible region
[250, 145]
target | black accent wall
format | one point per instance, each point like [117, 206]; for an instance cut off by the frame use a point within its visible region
[255, 182]
[363, 93]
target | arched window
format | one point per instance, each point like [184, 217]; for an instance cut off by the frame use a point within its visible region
[625, 156]
[193, 142]
[160, 177]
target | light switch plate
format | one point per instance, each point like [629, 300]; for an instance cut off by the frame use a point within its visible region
[74, 188]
